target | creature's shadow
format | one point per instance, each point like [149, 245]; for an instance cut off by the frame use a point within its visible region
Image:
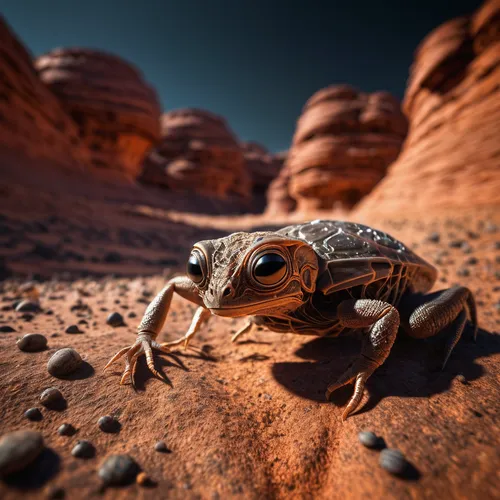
[413, 368]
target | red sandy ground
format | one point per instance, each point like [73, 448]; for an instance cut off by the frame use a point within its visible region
[243, 420]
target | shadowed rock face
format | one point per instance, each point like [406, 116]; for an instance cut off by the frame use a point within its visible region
[263, 166]
[116, 111]
[279, 200]
[452, 154]
[343, 143]
[31, 119]
[198, 152]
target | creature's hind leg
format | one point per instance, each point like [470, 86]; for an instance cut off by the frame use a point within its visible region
[424, 316]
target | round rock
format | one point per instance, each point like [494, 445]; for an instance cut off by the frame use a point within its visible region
[33, 414]
[66, 430]
[28, 306]
[83, 449]
[52, 398]
[6, 329]
[32, 342]
[161, 447]
[73, 329]
[393, 461]
[108, 424]
[369, 439]
[118, 470]
[18, 449]
[115, 319]
[64, 362]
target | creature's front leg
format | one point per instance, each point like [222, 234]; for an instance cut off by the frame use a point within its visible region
[383, 318]
[151, 325]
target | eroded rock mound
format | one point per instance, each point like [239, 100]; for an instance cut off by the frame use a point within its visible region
[198, 153]
[452, 154]
[263, 166]
[116, 111]
[32, 121]
[342, 145]
[279, 200]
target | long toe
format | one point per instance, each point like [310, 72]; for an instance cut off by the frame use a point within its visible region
[356, 398]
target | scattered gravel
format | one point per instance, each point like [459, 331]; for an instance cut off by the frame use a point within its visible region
[32, 342]
[73, 329]
[18, 449]
[66, 430]
[118, 470]
[52, 398]
[115, 319]
[393, 461]
[33, 414]
[109, 424]
[83, 449]
[64, 362]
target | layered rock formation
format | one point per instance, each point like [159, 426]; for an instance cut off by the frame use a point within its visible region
[116, 111]
[279, 200]
[262, 166]
[198, 153]
[32, 121]
[452, 155]
[343, 143]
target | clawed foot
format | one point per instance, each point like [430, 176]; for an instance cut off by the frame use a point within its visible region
[143, 345]
[358, 373]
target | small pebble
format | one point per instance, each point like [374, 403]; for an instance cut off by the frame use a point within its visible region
[461, 379]
[6, 329]
[369, 439]
[32, 342]
[434, 237]
[464, 272]
[18, 449]
[393, 461]
[161, 447]
[52, 398]
[143, 479]
[28, 306]
[33, 414]
[472, 261]
[64, 362]
[83, 449]
[56, 493]
[108, 424]
[73, 329]
[131, 314]
[115, 319]
[118, 470]
[66, 430]
[456, 243]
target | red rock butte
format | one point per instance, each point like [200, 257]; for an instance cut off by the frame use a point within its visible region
[342, 145]
[263, 166]
[32, 120]
[198, 152]
[117, 113]
[452, 154]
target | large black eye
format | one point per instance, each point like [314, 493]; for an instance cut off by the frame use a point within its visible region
[270, 269]
[195, 267]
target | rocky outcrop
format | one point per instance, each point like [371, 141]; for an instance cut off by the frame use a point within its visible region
[343, 143]
[116, 111]
[198, 153]
[263, 166]
[279, 200]
[452, 155]
[32, 121]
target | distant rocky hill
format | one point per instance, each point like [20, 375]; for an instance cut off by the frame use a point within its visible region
[452, 155]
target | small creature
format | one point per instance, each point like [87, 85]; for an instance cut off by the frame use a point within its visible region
[321, 278]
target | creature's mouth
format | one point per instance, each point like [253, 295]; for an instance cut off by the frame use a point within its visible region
[255, 308]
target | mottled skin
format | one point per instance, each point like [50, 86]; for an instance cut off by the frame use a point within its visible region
[319, 278]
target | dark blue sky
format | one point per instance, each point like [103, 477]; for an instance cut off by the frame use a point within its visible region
[253, 61]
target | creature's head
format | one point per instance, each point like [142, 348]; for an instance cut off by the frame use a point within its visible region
[260, 273]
